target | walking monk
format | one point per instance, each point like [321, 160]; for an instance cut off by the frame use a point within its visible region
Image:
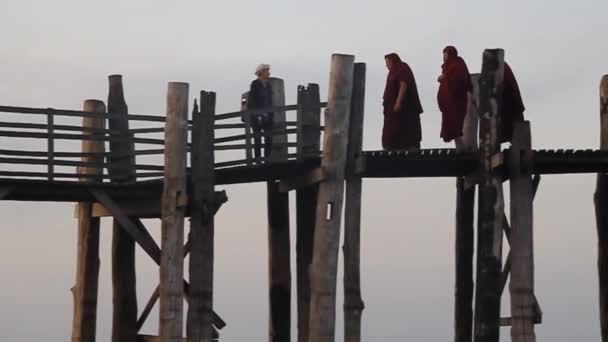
[455, 88]
[402, 107]
[512, 105]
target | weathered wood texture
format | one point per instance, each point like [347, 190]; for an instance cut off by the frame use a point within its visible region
[87, 260]
[279, 141]
[329, 206]
[174, 202]
[248, 136]
[202, 203]
[491, 205]
[121, 170]
[353, 303]
[601, 214]
[309, 135]
[521, 286]
[471, 120]
[279, 265]
[465, 230]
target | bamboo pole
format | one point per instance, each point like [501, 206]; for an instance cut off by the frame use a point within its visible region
[87, 262]
[329, 206]
[121, 170]
[353, 303]
[200, 305]
[491, 206]
[521, 286]
[601, 214]
[174, 202]
[465, 231]
[309, 135]
[279, 264]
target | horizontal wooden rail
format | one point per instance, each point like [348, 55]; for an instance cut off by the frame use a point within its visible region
[57, 154]
[244, 136]
[5, 124]
[75, 113]
[260, 111]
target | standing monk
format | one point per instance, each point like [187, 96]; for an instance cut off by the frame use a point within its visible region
[402, 107]
[455, 88]
[512, 105]
[260, 96]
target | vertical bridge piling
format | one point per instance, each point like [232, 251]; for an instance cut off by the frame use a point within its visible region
[329, 207]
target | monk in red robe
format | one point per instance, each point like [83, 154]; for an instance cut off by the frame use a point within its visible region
[512, 105]
[402, 107]
[455, 89]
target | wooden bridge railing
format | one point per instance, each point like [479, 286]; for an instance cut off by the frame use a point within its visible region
[33, 144]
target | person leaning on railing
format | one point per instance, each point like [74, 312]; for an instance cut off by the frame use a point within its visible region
[260, 96]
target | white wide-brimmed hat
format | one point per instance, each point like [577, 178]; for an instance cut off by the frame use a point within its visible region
[261, 68]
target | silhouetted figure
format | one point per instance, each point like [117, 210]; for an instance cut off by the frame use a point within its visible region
[455, 88]
[260, 96]
[402, 107]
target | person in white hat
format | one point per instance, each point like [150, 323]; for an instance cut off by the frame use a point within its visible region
[260, 96]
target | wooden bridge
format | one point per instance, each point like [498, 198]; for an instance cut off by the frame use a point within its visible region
[119, 171]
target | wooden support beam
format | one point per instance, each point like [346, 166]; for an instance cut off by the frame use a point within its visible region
[85, 290]
[353, 303]
[314, 177]
[521, 286]
[279, 265]
[121, 170]
[200, 305]
[465, 229]
[324, 266]
[601, 214]
[279, 141]
[309, 137]
[491, 205]
[132, 226]
[174, 202]
[148, 207]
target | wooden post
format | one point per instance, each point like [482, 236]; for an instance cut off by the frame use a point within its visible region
[353, 303]
[248, 137]
[471, 120]
[279, 265]
[521, 286]
[174, 202]
[87, 262]
[601, 214]
[279, 138]
[122, 169]
[200, 305]
[491, 206]
[309, 136]
[329, 206]
[465, 231]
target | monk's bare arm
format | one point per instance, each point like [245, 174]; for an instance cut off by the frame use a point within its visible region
[401, 96]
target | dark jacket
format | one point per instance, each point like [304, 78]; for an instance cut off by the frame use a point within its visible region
[260, 95]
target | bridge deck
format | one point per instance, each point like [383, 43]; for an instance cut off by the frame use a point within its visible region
[371, 164]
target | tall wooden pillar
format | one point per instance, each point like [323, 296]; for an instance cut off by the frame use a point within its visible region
[353, 303]
[329, 204]
[491, 205]
[174, 202]
[309, 135]
[202, 208]
[122, 170]
[279, 266]
[521, 286]
[87, 262]
[601, 214]
[465, 231]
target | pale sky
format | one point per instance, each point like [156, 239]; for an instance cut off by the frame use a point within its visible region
[58, 53]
